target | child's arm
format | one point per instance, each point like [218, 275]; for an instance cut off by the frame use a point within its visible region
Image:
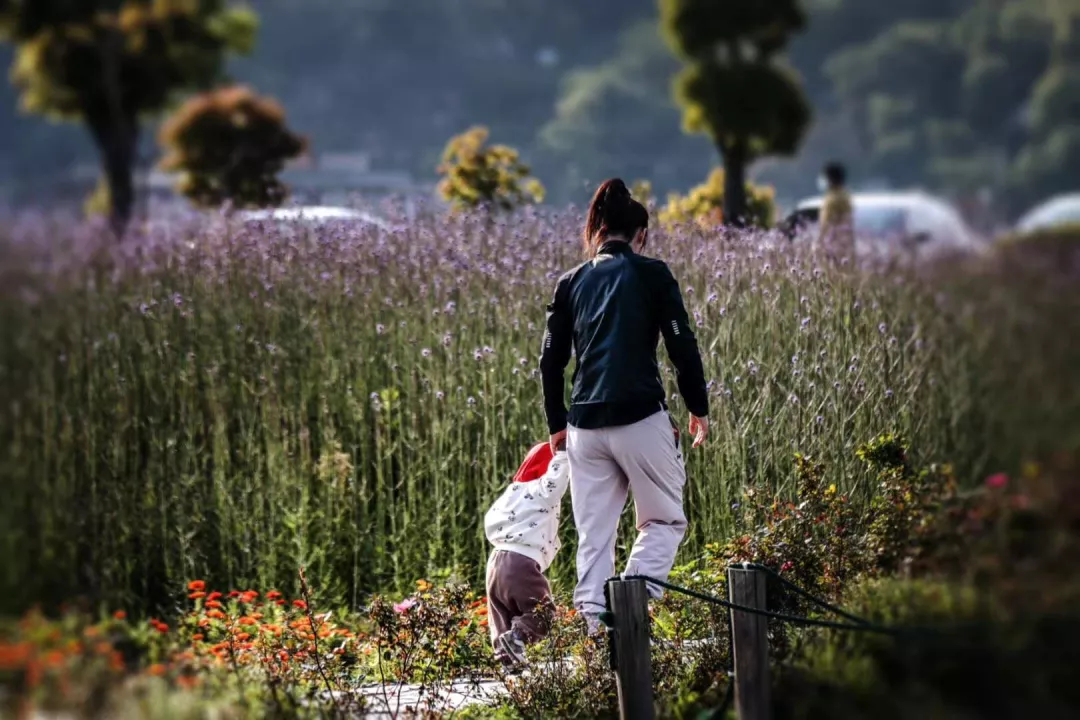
[555, 481]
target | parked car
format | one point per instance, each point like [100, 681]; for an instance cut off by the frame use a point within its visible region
[1056, 212]
[313, 215]
[911, 222]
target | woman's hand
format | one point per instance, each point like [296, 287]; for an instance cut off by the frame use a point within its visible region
[558, 441]
[699, 428]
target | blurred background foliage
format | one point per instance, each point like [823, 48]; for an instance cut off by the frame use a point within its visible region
[969, 97]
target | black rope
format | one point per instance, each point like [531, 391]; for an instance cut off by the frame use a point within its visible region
[807, 594]
[793, 619]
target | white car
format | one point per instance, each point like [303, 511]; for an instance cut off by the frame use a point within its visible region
[894, 222]
[1056, 212]
[313, 215]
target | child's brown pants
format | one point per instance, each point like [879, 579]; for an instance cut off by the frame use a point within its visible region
[519, 597]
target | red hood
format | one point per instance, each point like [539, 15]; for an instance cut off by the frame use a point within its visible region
[535, 464]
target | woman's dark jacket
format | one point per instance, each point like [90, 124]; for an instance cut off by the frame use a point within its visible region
[612, 310]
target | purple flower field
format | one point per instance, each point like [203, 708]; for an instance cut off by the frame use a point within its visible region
[209, 400]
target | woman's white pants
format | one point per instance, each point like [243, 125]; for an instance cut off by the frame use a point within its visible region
[644, 460]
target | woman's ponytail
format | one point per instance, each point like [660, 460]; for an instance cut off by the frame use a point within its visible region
[613, 211]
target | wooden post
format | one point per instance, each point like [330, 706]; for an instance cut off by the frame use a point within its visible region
[750, 645]
[633, 661]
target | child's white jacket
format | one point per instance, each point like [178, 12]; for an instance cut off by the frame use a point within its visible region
[525, 518]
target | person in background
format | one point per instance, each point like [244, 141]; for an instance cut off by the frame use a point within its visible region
[837, 229]
[612, 310]
[523, 525]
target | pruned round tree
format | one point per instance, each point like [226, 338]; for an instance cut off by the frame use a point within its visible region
[229, 146]
[477, 175]
[733, 88]
[110, 63]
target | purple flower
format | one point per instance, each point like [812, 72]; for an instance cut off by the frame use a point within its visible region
[380, 328]
[425, 352]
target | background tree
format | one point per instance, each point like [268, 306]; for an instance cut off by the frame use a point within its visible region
[733, 89]
[230, 145]
[109, 63]
[476, 174]
[704, 204]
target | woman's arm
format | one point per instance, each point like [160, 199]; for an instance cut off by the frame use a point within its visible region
[555, 356]
[682, 347]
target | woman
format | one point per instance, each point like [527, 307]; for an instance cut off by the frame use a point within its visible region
[612, 310]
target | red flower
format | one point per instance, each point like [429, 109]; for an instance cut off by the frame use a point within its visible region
[120, 615]
[787, 566]
[997, 481]
[234, 594]
[273, 595]
[197, 595]
[214, 596]
[214, 604]
[196, 585]
[299, 604]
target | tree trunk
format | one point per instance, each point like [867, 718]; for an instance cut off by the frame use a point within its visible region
[118, 145]
[735, 210]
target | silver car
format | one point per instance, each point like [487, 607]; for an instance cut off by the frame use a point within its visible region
[313, 215]
[906, 223]
[1056, 212]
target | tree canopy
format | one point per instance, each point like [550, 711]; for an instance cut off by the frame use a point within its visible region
[733, 89]
[110, 63]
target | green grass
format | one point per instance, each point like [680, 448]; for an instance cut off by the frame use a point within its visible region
[231, 406]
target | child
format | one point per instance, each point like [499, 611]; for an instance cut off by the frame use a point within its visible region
[523, 525]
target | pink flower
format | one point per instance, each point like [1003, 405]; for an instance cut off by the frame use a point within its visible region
[405, 605]
[997, 481]
[787, 566]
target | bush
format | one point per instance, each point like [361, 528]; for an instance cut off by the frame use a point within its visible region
[229, 146]
[704, 204]
[477, 175]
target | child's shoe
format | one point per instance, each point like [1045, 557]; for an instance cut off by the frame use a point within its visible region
[510, 649]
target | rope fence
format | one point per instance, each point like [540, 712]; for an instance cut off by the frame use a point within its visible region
[627, 621]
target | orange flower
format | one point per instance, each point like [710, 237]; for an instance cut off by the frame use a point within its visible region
[299, 604]
[257, 616]
[116, 662]
[198, 637]
[234, 593]
[92, 632]
[14, 657]
[157, 670]
[247, 621]
[103, 648]
[273, 595]
[216, 614]
[283, 656]
[214, 596]
[188, 682]
[249, 597]
[204, 623]
[241, 637]
[120, 615]
[279, 603]
[196, 585]
[54, 659]
[198, 595]
[213, 604]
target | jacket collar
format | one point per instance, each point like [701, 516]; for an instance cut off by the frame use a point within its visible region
[615, 246]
